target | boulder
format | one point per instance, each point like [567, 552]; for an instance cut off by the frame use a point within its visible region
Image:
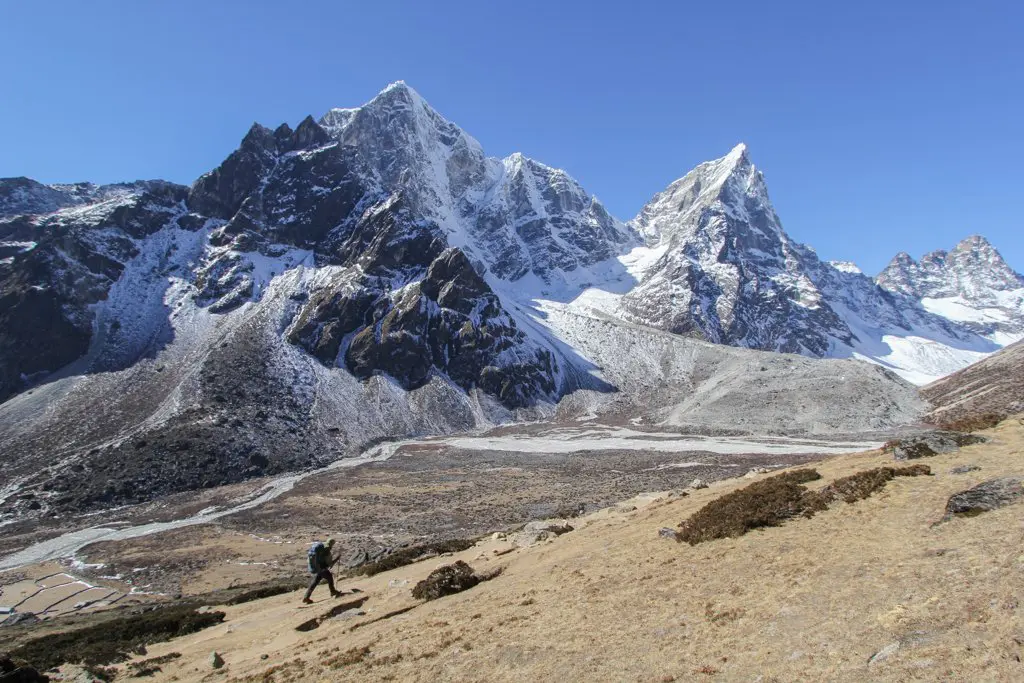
[526, 539]
[986, 496]
[20, 618]
[358, 558]
[556, 529]
[446, 580]
[933, 443]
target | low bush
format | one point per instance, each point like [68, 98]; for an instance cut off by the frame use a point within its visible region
[151, 666]
[447, 580]
[768, 502]
[861, 485]
[973, 422]
[352, 656]
[116, 639]
[405, 556]
[267, 590]
[774, 500]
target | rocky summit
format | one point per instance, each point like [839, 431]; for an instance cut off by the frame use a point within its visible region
[374, 274]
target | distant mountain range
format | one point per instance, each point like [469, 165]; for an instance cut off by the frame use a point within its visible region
[374, 273]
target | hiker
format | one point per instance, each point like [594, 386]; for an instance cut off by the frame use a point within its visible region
[320, 563]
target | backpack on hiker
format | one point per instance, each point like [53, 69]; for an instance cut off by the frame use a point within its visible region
[313, 557]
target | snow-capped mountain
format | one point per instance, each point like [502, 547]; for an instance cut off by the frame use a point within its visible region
[513, 216]
[29, 197]
[727, 272]
[971, 285]
[718, 265]
[373, 274]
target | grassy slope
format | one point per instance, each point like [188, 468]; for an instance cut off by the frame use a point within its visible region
[811, 600]
[993, 385]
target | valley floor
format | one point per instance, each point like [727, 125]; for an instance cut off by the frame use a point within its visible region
[402, 492]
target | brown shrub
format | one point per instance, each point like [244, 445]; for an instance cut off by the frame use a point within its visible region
[774, 500]
[266, 590]
[151, 666]
[446, 580]
[768, 502]
[724, 616]
[862, 484]
[352, 656]
[405, 556]
[972, 422]
[116, 639]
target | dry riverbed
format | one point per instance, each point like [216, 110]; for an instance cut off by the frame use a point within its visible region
[406, 493]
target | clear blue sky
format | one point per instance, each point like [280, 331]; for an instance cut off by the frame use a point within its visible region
[880, 126]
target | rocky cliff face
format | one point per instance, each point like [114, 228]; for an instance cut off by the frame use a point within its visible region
[54, 267]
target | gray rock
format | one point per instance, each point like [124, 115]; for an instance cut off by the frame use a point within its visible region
[884, 654]
[23, 674]
[964, 469]
[216, 661]
[665, 532]
[358, 558]
[350, 613]
[986, 496]
[528, 538]
[556, 529]
[934, 443]
[20, 618]
[698, 484]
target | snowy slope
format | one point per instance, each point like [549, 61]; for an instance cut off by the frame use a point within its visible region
[971, 285]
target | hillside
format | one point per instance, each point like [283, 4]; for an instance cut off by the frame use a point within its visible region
[869, 590]
[992, 386]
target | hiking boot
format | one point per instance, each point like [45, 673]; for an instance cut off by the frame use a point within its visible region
[307, 601]
[336, 594]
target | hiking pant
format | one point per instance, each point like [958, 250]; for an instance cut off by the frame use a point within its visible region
[322, 575]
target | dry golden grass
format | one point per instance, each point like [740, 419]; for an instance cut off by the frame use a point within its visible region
[811, 600]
